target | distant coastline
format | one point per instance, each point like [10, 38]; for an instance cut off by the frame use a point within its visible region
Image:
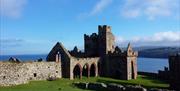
[43, 56]
[24, 57]
[143, 52]
[161, 52]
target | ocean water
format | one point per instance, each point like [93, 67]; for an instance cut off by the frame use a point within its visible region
[144, 64]
[151, 64]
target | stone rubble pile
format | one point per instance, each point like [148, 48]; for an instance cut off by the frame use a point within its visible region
[113, 87]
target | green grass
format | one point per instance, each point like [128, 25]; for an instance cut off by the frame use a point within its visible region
[66, 84]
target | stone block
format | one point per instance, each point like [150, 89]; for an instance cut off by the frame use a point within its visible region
[135, 88]
[115, 87]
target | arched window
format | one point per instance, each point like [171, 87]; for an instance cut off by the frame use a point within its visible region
[132, 70]
[85, 71]
[93, 70]
[58, 57]
[77, 71]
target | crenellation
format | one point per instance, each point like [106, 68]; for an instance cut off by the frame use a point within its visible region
[104, 28]
[93, 35]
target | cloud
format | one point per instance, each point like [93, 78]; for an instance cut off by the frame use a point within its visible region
[12, 8]
[102, 4]
[97, 8]
[150, 8]
[168, 38]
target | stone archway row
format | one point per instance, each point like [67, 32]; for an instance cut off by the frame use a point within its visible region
[84, 70]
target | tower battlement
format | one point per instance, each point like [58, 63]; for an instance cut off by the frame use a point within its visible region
[104, 28]
[92, 36]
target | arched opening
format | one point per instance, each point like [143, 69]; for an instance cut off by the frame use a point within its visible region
[93, 70]
[85, 71]
[58, 57]
[132, 70]
[77, 72]
[99, 71]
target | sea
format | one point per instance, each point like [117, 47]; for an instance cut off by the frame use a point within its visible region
[144, 64]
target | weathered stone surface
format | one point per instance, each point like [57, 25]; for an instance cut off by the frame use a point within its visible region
[52, 78]
[155, 89]
[81, 85]
[20, 73]
[96, 86]
[115, 87]
[135, 88]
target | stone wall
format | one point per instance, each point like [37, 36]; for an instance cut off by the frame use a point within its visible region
[82, 62]
[99, 44]
[116, 67]
[106, 40]
[20, 73]
[131, 68]
[120, 65]
[64, 58]
[174, 69]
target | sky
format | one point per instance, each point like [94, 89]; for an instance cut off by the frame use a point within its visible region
[34, 26]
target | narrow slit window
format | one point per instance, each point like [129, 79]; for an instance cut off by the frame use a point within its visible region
[35, 74]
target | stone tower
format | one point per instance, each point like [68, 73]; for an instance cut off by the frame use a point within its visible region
[106, 40]
[99, 44]
[113, 62]
[91, 45]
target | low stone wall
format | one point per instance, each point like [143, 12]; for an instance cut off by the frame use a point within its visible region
[20, 73]
[113, 87]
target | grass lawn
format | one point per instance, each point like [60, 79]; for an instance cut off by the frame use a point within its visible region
[66, 84]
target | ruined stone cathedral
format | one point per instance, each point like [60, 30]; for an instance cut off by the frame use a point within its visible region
[100, 58]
